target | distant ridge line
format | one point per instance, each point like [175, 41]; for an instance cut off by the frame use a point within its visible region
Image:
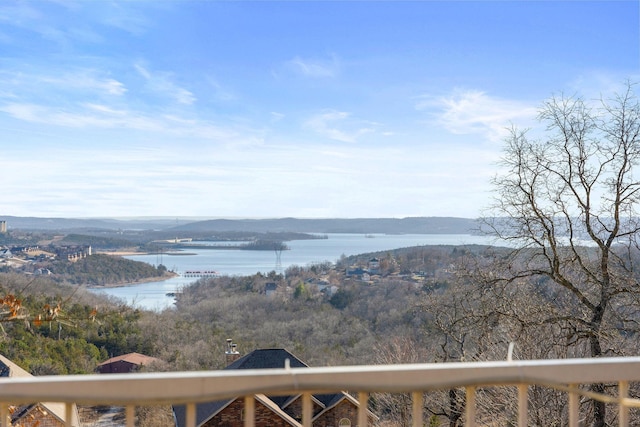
[412, 225]
[409, 225]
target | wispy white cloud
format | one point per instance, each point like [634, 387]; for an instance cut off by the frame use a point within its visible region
[339, 126]
[476, 112]
[114, 87]
[41, 84]
[91, 99]
[91, 117]
[98, 116]
[220, 92]
[142, 71]
[161, 83]
[25, 17]
[124, 16]
[105, 109]
[87, 80]
[276, 117]
[315, 67]
[595, 85]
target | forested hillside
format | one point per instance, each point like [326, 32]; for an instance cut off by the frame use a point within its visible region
[51, 329]
[320, 313]
[101, 269]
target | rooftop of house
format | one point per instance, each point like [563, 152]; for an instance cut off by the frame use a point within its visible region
[9, 369]
[268, 358]
[133, 358]
[271, 358]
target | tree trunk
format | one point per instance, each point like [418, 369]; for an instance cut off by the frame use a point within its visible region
[599, 408]
[455, 409]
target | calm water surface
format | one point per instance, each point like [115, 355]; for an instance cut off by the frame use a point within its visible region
[152, 295]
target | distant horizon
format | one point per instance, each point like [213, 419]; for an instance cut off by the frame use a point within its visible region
[409, 225]
[204, 218]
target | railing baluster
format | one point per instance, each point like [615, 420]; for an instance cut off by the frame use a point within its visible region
[249, 411]
[191, 415]
[416, 412]
[307, 410]
[363, 399]
[523, 405]
[130, 415]
[4, 415]
[573, 406]
[623, 410]
[470, 407]
[414, 381]
[68, 414]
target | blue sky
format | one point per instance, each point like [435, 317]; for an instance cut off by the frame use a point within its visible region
[285, 108]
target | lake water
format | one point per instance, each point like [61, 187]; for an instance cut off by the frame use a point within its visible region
[152, 295]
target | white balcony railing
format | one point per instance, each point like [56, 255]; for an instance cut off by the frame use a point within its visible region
[189, 388]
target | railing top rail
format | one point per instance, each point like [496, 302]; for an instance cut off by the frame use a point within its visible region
[199, 386]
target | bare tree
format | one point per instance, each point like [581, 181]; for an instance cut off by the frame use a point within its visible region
[471, 322]
[395, 408]
[568, 204]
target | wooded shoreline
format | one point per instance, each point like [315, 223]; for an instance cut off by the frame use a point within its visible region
[167, 276]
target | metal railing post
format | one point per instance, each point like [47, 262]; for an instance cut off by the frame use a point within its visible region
[68, 415]
[130, 415]
[470, 407]
[416, 409]
[191, 415]
[573, 406]
[307, 410]
[4, 415]
[363, 400]
[623, 409]
[249, 411]
[523, 405]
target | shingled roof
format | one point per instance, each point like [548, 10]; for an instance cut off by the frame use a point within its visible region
[272, 358]
[269, 358]
[8, 369]
[133, 358]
